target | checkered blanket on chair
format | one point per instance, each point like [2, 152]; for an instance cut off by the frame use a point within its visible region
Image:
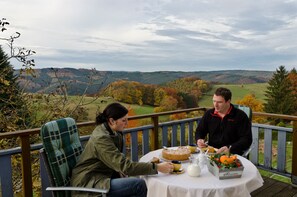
[63, 148]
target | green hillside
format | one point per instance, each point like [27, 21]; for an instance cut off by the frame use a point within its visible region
[238, 92]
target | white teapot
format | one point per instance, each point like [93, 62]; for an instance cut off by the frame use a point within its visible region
[194, 168]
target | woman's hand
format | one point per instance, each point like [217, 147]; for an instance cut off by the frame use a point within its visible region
[165, 167]
[201, 143]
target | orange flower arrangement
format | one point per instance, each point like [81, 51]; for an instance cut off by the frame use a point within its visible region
[226, 160]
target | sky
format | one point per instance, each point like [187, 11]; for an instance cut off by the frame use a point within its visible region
[155, 35]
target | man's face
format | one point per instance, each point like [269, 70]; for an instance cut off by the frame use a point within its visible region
[220, 104]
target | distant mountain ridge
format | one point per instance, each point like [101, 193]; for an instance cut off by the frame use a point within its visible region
[77, 80]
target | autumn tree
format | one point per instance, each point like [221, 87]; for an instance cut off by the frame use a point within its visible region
[292, 76]
[168, 103]
[250, 100]
[279, 93]
[168, 98]
[190, 89]
[148, 93]
[130, 92]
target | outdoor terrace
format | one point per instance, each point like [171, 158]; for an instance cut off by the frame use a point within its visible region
[274, 150]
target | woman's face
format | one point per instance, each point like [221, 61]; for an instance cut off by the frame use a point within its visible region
[119, 124]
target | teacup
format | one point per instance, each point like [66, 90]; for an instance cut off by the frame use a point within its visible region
[192, 148]
[176, 164]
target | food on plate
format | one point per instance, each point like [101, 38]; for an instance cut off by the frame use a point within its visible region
[209, 149]
[181, 153]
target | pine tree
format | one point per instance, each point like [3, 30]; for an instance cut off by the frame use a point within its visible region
[13, 111]
[279, 93]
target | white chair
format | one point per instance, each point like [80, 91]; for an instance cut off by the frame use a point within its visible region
[249, 114]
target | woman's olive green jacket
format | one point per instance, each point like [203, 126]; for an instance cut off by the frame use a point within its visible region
[102, 158]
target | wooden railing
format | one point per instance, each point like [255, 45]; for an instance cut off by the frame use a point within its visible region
[155, 136]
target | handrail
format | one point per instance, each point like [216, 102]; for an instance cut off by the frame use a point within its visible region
[280, 116]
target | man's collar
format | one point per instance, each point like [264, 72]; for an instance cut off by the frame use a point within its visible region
[228, 112]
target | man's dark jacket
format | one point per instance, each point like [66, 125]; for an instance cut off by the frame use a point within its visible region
[234, 130]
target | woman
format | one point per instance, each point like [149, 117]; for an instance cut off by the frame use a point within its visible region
[102, 163]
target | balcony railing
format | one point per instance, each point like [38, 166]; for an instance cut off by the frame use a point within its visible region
[158, 134]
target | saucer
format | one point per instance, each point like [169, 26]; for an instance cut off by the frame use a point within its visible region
[180, 171]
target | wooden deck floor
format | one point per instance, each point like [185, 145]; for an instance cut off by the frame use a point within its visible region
[272, 187]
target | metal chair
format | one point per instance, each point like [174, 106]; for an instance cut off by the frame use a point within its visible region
[61, 150]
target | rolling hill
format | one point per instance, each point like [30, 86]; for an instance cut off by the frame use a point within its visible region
[78, 80]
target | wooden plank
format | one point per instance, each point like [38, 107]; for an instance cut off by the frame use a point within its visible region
[26, 167]
[174, 135]
[272, 187]
[6, 187]
[294, 154]
[191, 135]
[182, 134]
[155, 136]
[267, 183]
[281, 151]
[165, 136]
[134, 143]
[125, 135]
[287, 191]
[145, 141]
[45, 182]
[255, 149]
[267, 148]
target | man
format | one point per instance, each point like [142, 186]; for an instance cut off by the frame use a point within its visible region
[228, 128]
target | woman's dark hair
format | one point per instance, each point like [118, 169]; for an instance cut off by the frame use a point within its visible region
[113, 110]
[224, 92]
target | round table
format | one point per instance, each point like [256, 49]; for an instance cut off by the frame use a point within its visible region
[183, 185]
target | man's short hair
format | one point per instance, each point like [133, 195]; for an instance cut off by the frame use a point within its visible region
[224, 92]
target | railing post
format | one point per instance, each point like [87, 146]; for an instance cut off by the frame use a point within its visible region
[26, 166]
[294, 155]
[155, 137]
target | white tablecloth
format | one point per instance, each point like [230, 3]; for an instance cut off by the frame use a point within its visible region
[182, 185]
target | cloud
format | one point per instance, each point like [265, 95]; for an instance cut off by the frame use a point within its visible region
[152, 35]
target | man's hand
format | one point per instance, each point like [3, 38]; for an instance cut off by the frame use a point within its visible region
[201, 143]
[223, 149]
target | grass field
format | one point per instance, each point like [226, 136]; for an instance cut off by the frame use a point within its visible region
[238, 92]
